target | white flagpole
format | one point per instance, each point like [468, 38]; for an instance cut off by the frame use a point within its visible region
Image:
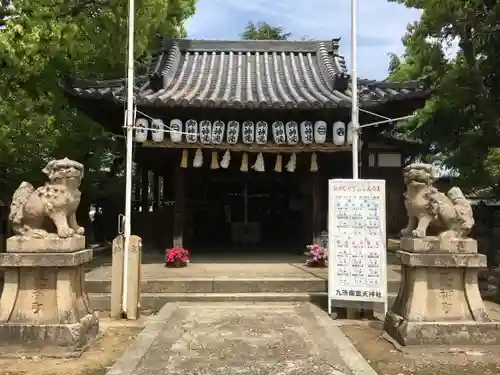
[354, 89]
[128, 166]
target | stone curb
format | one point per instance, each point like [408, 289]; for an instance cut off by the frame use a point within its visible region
[128, 362]
[352, 358]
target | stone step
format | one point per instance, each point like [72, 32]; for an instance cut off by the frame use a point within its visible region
[152, 302]
[232, 285]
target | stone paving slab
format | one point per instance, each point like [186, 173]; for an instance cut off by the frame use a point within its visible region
[236, 338]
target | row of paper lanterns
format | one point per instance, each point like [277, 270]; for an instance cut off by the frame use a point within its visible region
[207, 132]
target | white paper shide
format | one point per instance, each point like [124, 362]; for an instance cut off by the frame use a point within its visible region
[357, 241]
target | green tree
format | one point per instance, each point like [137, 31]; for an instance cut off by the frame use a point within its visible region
[264, 31]
[460, 121]
[41, 42]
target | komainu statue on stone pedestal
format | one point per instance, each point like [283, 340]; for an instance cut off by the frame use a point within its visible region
[49, 210]
[44, 309]
[439, 302]
[427, 206]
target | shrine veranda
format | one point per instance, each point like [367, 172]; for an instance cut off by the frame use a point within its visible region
[235, 141]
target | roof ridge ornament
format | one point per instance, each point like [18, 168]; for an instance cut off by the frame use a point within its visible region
[341, 81]
[336, 45]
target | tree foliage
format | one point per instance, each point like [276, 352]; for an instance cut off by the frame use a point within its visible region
[264, 31]
[460, 121]
[43, 40]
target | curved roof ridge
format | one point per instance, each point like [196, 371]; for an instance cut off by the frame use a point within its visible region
[278, 46]
[312, 68]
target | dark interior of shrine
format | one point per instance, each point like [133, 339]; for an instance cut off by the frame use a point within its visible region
[247, 209]
[269, 211]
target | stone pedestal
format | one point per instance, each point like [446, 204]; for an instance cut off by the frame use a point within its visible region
[50, 244]
[44, 309]
[439, 301]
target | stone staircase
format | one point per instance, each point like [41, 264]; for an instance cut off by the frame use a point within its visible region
[155, 293]
[258, 279]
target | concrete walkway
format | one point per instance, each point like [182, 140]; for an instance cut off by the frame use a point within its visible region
[234, 338]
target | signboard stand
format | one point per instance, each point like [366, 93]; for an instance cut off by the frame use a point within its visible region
[357, 246]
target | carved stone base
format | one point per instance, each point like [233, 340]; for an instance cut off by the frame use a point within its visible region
[439, 301]
[43, 306]
[441, 333]
[47, 340]
[50, 244]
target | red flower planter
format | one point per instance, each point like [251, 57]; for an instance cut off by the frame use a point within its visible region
[318, 255]
[176, 257]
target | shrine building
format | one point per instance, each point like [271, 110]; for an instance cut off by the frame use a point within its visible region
[255, 129]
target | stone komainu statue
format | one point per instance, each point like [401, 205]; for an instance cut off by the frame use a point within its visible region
[426, 205]
[50, 209]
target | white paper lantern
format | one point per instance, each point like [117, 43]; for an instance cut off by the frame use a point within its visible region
[176, 130]
[292, 132]
[233, 131]
[349, 134]
[307, 132]
[339, 133]
[192, 131]
[218, 128]
[157, 131]
[320, 131]
[141, 130]
[279, 132]
[248, 132]
[261, 131]
[205, 132]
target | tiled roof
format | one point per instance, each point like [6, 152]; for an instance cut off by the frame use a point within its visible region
[248, 74]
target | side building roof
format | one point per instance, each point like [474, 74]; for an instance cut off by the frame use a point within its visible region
[247, 74]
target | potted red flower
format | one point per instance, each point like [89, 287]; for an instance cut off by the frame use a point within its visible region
[176, 257]
[318, 256]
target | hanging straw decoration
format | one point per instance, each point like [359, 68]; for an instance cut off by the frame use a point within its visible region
[279, 163]
[259, 163]
[290, 167]
[214, 164]
[314, 162]
[184, 160]
[198, 159]
[244, 162]
[224, 163]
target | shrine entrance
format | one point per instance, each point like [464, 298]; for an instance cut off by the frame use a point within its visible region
[257, 211]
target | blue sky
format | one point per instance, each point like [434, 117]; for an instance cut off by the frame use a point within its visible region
[380, 24]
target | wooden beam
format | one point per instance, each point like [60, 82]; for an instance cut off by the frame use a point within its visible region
[314, 147]
[179, 206]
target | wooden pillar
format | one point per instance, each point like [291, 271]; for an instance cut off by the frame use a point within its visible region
[137, 190]
[179, 207]
[144, 189]
[156, 191]
[167, 188]
[316, 211]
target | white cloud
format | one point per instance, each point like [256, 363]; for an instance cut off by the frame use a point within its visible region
[381, 24]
